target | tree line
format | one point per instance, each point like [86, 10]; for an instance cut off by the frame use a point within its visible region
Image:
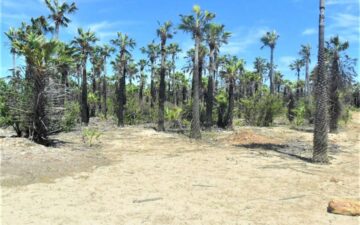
[56, 86]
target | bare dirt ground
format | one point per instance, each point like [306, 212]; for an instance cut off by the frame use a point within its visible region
[138, 176]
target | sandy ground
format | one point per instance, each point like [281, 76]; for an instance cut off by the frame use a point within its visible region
[138, 176]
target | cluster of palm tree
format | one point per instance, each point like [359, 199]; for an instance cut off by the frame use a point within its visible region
[50, 61]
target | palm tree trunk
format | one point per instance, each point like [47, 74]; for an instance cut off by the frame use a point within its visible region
[14, 64]
[84, 104]
[122, 97]
[271, 74]
[64, 83]
[39, 126]
[210, 90]
[321, 111]
[57, 28]
[334, 103]
[93, 106]
[162, 89]
[307, 77]
[152, 85]
[195, 123]
[104, 94]
[229, 117]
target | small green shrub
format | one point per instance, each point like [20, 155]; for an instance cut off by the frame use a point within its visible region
[90, 135]
[346, 115]
[299, 112]
[71, 116]
[173, 114]
[5, 118]
[260, 110]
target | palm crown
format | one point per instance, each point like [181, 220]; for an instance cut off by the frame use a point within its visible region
[196, 24]
[270, 39]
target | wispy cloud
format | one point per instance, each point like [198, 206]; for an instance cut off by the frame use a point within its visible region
[309, 31]
[341, 2]
[103, 29]
[242, 39]
[345, 25]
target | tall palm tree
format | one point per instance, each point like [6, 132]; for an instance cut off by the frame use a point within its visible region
[58, 13]
[173, 50]
[260, 66]
[152, 50]
[297, 65]
[232, 70]
[196, 25]
[335, 46]
[164, 33]
[305, 53]
[270, 39]
[215, 37]
[125, 44]
[83, 42]
[106, 52]
[321, 110]
[142, 64]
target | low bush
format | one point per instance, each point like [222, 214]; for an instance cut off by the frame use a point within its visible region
[71, 116]
[260, 110]
[90, 135]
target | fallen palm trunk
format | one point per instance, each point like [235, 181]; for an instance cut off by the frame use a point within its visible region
[344, 207]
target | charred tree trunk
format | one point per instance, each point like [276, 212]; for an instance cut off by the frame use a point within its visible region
[162, 89]
[84, 103]
[122, 97]
[229, 117]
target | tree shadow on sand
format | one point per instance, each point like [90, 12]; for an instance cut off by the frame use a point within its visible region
[295, 150]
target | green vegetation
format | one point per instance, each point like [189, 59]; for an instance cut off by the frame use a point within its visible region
[63, 84]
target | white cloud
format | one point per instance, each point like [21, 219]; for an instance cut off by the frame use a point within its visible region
[103, 29]
[309, 31]
[345, 25]
[242, 39]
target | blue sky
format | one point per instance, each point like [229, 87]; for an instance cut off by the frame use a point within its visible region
[295, 20]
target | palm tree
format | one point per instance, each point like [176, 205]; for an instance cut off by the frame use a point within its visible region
[335, 47]
[196, 25]
[152, 50]
[215, 37]
[321, 110]
[59, 13]
[173, 50]
[260, 66]
[270, 39]
[125, 43]
[83, 42]
[164, 32]
[38, 54]
[106, 52]
[232, 70]
[297, 65]
[305, 53]
[142, 64]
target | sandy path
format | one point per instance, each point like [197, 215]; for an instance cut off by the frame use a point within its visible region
[166, 179]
